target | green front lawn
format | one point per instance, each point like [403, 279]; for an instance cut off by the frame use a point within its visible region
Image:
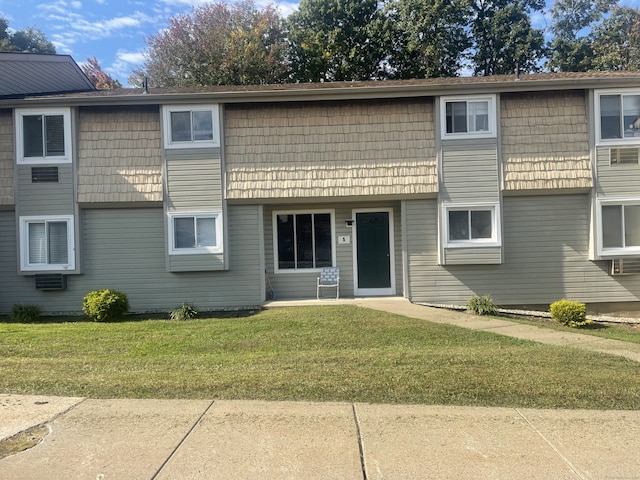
[330, 353]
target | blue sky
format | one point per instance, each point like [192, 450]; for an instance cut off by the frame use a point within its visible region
[114, 30]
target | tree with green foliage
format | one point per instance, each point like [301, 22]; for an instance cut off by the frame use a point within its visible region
[503, 38]
[571, 50]
[337, 40]
[429, 38]
[29, 40]
[616, 41]
[217, 44]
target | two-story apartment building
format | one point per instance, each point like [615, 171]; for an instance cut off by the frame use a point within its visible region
[526, 188]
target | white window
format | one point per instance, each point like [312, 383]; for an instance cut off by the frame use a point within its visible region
[303, 240]
[619, 226]
[618, 117]
[468, 117]
[191, 126]
[471, 225]
[191, 233]
[43, 136]
[47, 243]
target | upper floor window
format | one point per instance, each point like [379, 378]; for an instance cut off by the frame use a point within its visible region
[618, 117]
[471, 225]
[195, 233]
[47, 243]
[303, 240]
[191, 126]
[43, 136]
[468, 117]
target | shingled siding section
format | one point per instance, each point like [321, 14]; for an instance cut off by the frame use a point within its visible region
[6, 157]
[545, 141]
[330, 149]
[119, 158]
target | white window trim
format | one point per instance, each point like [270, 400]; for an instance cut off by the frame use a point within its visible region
[24, 243]
[166, 116]
[274, 224]
[218, 248]
[68, 154]
[611, 141]
[492, 102]
[613, 252]
[496, 231]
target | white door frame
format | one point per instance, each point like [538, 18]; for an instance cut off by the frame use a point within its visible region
[360, 292]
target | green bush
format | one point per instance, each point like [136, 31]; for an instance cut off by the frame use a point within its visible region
[25, 313]
[105, 305]
[567, 312]
[482, 305]
[183, 312]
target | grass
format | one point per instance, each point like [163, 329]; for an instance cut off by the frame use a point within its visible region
[337, 353]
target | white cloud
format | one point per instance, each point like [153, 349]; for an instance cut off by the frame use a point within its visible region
[124, 63]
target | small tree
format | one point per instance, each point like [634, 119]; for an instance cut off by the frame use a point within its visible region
[100, 79]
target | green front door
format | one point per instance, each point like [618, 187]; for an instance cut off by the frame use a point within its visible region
[373, 254]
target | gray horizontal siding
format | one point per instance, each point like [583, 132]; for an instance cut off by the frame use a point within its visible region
[469, 171]
[473, 256]
[616, 180]
[196, 263]
[194, 185]
[300, 284]
[59, 195]
[125, 249]
[545, 241]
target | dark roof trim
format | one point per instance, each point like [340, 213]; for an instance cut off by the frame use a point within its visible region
[343, 90]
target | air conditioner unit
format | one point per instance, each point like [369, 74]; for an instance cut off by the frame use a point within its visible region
[624, 156]
[51, 281]
[625, 266]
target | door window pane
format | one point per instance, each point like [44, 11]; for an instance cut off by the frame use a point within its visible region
[458, 225]
[180, 126]
[612, 226]
[32, 136]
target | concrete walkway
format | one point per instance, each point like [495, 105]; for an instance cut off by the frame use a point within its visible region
[200, 439]
[204, 439]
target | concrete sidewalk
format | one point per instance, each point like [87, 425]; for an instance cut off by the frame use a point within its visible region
[402, 306]
[192, 439]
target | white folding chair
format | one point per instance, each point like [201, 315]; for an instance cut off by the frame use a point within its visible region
[329, 278]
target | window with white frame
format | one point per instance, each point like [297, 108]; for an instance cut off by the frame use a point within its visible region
[192, 233]
[43, 136]
[618, 117]
[476, 225]
[468, 117]
[620, 227]
[47, 243]
[191, 126]
[303, 240]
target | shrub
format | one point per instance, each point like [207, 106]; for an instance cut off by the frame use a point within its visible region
[573, 314]
[183, 312]
[482, 305]
[105, 305]
[25, 313]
